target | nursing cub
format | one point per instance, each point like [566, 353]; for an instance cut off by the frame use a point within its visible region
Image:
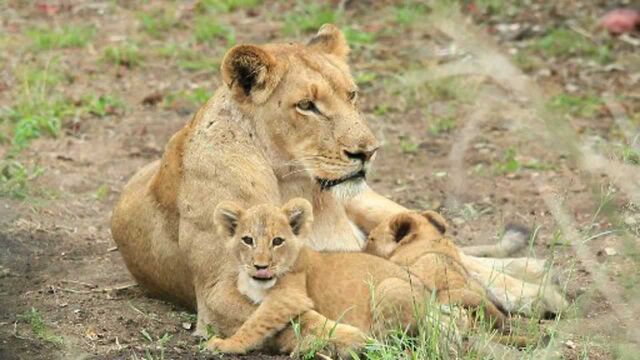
[365, 292]
[417, 241]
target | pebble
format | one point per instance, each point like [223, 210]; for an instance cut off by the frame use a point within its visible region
[610, 251]
[186, 325]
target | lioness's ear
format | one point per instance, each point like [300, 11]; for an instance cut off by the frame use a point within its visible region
[300, 215]
[226, 218]
[251, 73]
[436, 220]
[402, 226]
[330, 40]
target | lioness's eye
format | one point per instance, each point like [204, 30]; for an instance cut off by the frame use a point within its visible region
[247, 240]
[306, 105]
[277, 241]
[352, 95]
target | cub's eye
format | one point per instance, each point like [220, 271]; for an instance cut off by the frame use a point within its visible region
[352, 95]
[247, 240]
[277, 241]
[306, 105]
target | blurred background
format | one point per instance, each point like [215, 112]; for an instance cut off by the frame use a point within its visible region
[490, 111]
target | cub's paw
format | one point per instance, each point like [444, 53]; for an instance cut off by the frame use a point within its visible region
[226, 346]
[346, 339]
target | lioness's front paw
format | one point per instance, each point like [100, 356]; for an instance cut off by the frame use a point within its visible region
[226, 346]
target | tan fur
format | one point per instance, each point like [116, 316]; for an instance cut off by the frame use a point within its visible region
[252, 143]
[417, 241]
[361, 290]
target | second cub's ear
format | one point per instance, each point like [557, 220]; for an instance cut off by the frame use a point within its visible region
[402, 227]
[436, 220]
[226, 218]
[330, 40]
[299, 212]
[251, 73]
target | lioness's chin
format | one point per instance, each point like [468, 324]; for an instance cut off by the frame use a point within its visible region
[349, 189]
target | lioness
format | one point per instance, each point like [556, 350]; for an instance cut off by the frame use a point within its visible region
[362, 290]
[285, 124]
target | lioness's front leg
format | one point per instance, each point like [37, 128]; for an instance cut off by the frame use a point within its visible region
[285, 301]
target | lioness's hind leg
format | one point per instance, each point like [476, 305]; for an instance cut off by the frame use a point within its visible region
[473, 301]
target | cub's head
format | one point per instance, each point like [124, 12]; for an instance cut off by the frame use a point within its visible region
[304, 103]
[402, 229]
[264, 239]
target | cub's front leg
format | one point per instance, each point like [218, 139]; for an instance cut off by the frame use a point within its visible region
[286, 300]
[340, 339]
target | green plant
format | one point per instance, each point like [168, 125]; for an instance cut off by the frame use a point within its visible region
[207, 30]
[357, 37]
[225, 5]
[562, 42]
[158, 345]
[36, 110]
[63, 37]
[102, 192]
[442, 125]
[509, 163]
[124, 55]
[408, 13]
[365, 77]
[157, 23]
[36, 321]
[408, 147]
[309, 18]
[188, 59]
[194, 97]
[585, 106]
[102, 105]
[15, 177]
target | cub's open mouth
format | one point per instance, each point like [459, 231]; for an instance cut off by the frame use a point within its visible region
[326, 184]
[259, 278]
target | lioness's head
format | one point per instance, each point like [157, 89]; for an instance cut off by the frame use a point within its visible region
[264, 239]
[304, 103]
[402, 229]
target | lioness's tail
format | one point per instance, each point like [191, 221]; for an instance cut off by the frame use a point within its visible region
[515, 238]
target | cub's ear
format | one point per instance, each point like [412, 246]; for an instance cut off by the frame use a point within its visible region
[226, 218]
[251, 73]
[402, 227]
[300, 215]
[330, 40]
[437, 220]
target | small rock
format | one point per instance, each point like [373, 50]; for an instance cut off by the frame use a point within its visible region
[570, 344]
[186, 325]
[609, 251]
[630, 220]
[440, 174]
[458, 221]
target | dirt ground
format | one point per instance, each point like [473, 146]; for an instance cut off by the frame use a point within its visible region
[547, 140]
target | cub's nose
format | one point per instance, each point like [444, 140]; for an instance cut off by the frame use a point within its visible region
[260, 267]
[362, 155]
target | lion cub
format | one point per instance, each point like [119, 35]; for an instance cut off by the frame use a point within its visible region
[266, 242]
[417, 241]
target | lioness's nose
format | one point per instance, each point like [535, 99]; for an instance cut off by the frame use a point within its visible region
[362, 155]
